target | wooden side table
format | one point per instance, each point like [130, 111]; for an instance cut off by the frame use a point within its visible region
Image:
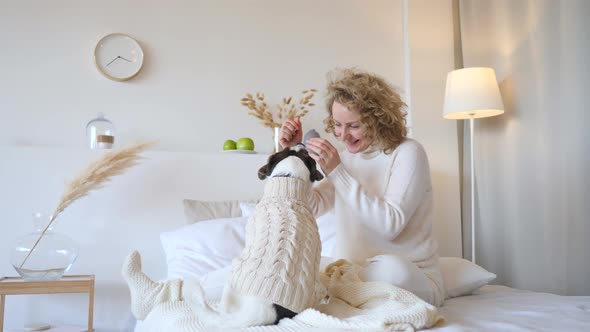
[67, 284]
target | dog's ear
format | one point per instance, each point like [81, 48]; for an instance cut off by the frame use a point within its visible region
[315, 175]
[263, 172]
[266, 170]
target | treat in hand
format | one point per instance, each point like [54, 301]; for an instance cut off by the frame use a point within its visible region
[310, 134]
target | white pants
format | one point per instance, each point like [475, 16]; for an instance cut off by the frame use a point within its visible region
[426, 282]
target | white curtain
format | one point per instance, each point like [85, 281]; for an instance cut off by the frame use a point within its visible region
[533, 162]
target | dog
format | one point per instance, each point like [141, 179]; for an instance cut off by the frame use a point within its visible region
[292, 162]
[260, 280]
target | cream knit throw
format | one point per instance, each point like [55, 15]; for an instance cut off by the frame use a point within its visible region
[353, 305]
[281, 258]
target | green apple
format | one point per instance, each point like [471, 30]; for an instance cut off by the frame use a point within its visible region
[229, 145]
[245, 143]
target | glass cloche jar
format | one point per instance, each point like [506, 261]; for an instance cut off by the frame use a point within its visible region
[100, 133]
[43, 257]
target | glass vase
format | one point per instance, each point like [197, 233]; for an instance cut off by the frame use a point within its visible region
[276, 131]
[43, 257]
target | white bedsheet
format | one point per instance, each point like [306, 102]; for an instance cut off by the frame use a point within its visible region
[500, 308]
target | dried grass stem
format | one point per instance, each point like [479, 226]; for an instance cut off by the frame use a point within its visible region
[94, 177]
[285, 110]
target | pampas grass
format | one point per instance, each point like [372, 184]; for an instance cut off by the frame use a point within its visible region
[94, 177]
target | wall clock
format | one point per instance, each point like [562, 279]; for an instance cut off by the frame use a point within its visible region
[119, 57]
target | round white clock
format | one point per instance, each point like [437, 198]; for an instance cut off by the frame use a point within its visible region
[118, 56]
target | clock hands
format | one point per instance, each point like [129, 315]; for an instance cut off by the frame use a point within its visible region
[118, 57]
[108, 64]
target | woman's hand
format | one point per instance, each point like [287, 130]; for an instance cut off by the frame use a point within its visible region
[291, 133]
[327, 156]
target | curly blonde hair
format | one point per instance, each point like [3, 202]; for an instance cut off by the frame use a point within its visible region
[382, 111]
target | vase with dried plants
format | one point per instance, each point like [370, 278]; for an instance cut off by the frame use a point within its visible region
[45, 255]
[273, 117]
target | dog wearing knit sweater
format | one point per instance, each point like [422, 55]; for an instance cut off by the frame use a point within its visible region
[277, 274]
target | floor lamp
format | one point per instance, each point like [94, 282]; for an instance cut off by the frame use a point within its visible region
[472, 93]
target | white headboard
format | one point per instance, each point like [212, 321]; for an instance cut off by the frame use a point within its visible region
[129, 213]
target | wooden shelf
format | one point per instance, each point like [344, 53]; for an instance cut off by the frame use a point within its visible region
[55, 329]
[67, 284]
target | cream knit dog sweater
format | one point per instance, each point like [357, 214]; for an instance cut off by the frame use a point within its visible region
[281, 258]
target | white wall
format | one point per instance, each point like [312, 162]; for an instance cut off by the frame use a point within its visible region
[431, 58]
[532, 183]
[201, 58]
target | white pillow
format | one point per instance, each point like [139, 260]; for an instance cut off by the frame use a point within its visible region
[195, 249]
[196, 210]
[462, 277]
[209, 245]
[326, 226]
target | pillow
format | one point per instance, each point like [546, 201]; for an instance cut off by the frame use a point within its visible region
[195, 210]
[204, 246]
[462, 277]
[326, 226]
[195, 249]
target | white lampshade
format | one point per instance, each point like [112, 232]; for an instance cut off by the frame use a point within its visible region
[472, 93]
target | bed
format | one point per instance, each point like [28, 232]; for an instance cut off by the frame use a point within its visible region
[145, 208]
[501, 308]
[472, 304]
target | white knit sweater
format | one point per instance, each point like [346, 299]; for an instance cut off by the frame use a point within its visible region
[383, 205]
[281, 258]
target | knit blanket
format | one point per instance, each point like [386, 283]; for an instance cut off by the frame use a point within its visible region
[351, 305]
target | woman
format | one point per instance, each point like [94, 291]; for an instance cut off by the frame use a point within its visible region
[379, 187]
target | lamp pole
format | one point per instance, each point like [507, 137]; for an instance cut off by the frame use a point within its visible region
[471, 125]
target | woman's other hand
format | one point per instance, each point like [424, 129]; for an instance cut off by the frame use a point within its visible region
[327, 155]
[291, 133]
